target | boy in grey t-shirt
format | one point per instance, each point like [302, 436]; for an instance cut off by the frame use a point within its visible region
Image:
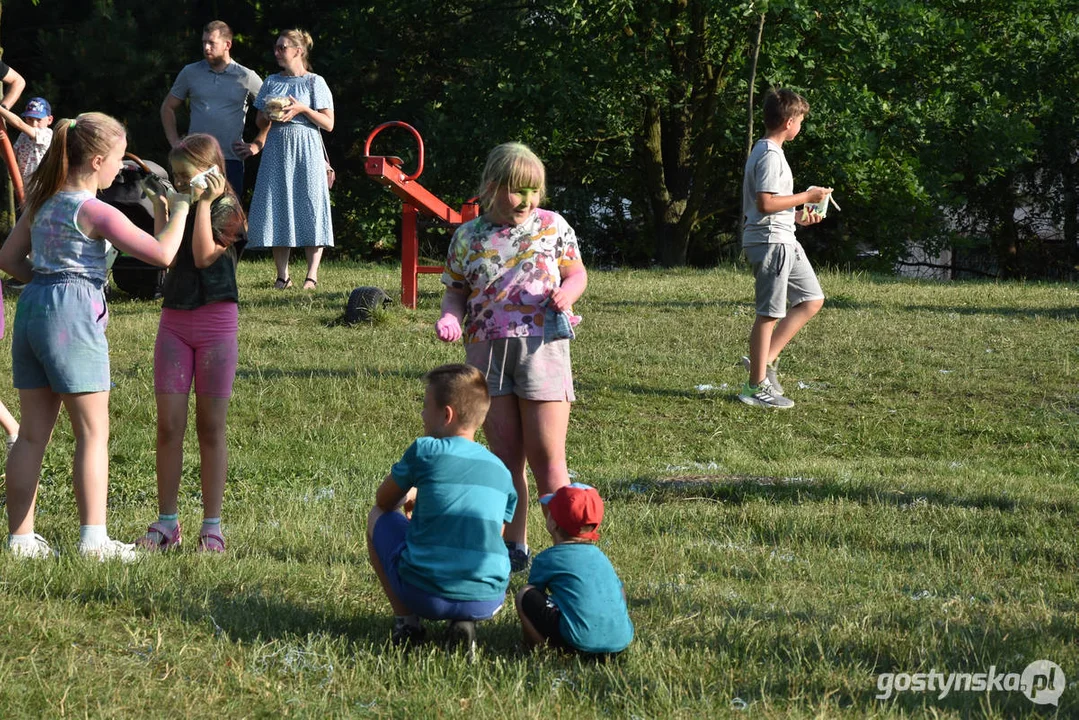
[780, 267]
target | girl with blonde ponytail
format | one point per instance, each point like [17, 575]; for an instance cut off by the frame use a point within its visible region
[59, 352]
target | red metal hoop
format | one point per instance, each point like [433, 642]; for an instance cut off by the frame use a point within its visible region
[415, 134]
[12, 165]
[416, 199]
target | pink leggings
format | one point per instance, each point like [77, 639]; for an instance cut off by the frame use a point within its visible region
[200, 344]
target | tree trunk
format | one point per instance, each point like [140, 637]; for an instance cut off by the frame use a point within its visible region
[753, 85]
[678, 137]
[1071, 213]
[666, 211]
[1006, 237]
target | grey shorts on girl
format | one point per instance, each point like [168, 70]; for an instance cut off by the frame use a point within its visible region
[59, 338]
[526, 367]
[783, 275]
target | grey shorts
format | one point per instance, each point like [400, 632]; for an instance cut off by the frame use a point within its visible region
[59, 338]
[783, 275]
[526, 367]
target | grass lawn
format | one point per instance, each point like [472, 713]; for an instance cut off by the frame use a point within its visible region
[916, 511]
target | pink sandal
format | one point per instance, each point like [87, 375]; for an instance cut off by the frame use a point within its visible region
[159, 538]
[211, 542]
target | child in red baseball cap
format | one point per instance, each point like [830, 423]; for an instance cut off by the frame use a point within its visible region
[585, 610]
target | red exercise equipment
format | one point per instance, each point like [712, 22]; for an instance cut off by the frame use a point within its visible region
[386, 170]
[12, 165]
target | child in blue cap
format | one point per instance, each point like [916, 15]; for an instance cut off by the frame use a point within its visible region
[586, 609]
[36, 134]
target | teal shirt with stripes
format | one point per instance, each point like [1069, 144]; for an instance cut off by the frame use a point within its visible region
[464, 493]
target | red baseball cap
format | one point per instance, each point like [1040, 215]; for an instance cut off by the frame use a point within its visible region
[573, 506]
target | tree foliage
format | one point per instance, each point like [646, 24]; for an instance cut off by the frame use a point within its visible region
[939, 122]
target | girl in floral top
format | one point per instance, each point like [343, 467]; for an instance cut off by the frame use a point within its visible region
[509, 275]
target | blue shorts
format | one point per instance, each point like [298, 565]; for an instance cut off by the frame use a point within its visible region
[388, 540]
[59, 338]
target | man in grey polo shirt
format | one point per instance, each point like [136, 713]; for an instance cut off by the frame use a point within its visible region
[220, 91]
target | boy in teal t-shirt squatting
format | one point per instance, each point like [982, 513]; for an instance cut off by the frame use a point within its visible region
[445, 559]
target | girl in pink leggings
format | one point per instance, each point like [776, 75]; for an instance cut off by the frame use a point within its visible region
[197, 341]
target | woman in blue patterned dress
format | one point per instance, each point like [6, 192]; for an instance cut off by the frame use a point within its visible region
[291, 204]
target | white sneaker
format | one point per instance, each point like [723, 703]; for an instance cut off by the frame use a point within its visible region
[37, 549]
[764, 396]
[110, 550]
[771, 371]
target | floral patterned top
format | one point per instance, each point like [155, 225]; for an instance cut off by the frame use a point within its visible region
[30, 150]
[508, 271]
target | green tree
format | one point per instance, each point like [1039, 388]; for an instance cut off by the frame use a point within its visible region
[939, 122]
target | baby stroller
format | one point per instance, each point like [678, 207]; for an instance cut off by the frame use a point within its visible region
[133, 276]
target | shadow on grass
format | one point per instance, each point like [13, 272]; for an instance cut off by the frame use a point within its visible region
[845, 302]
[302, 373]
[585, 387]
[305, 373]
[286, 299]
[1057, 313]
[671, 305]
[738, 489]
[834, 302]
[255, 615]
[803, 648]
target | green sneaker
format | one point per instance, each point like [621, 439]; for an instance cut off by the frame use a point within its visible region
[764, 396]
[771, 371]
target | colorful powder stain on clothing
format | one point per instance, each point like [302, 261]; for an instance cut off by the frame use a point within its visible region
[509, 271]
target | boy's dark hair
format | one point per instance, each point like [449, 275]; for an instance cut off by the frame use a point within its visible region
[780, 105]
[463, 388]
[220, 27]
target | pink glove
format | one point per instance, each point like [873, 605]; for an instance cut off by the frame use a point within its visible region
[448, 328]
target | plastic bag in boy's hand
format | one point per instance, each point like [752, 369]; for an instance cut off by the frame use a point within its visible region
[819, 208]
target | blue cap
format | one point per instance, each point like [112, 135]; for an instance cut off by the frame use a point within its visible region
[544, 499]
[37, 108]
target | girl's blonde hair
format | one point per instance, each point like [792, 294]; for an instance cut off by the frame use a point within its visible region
[201, 151]
[301, 39]
[74, 144]
[512, 165]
